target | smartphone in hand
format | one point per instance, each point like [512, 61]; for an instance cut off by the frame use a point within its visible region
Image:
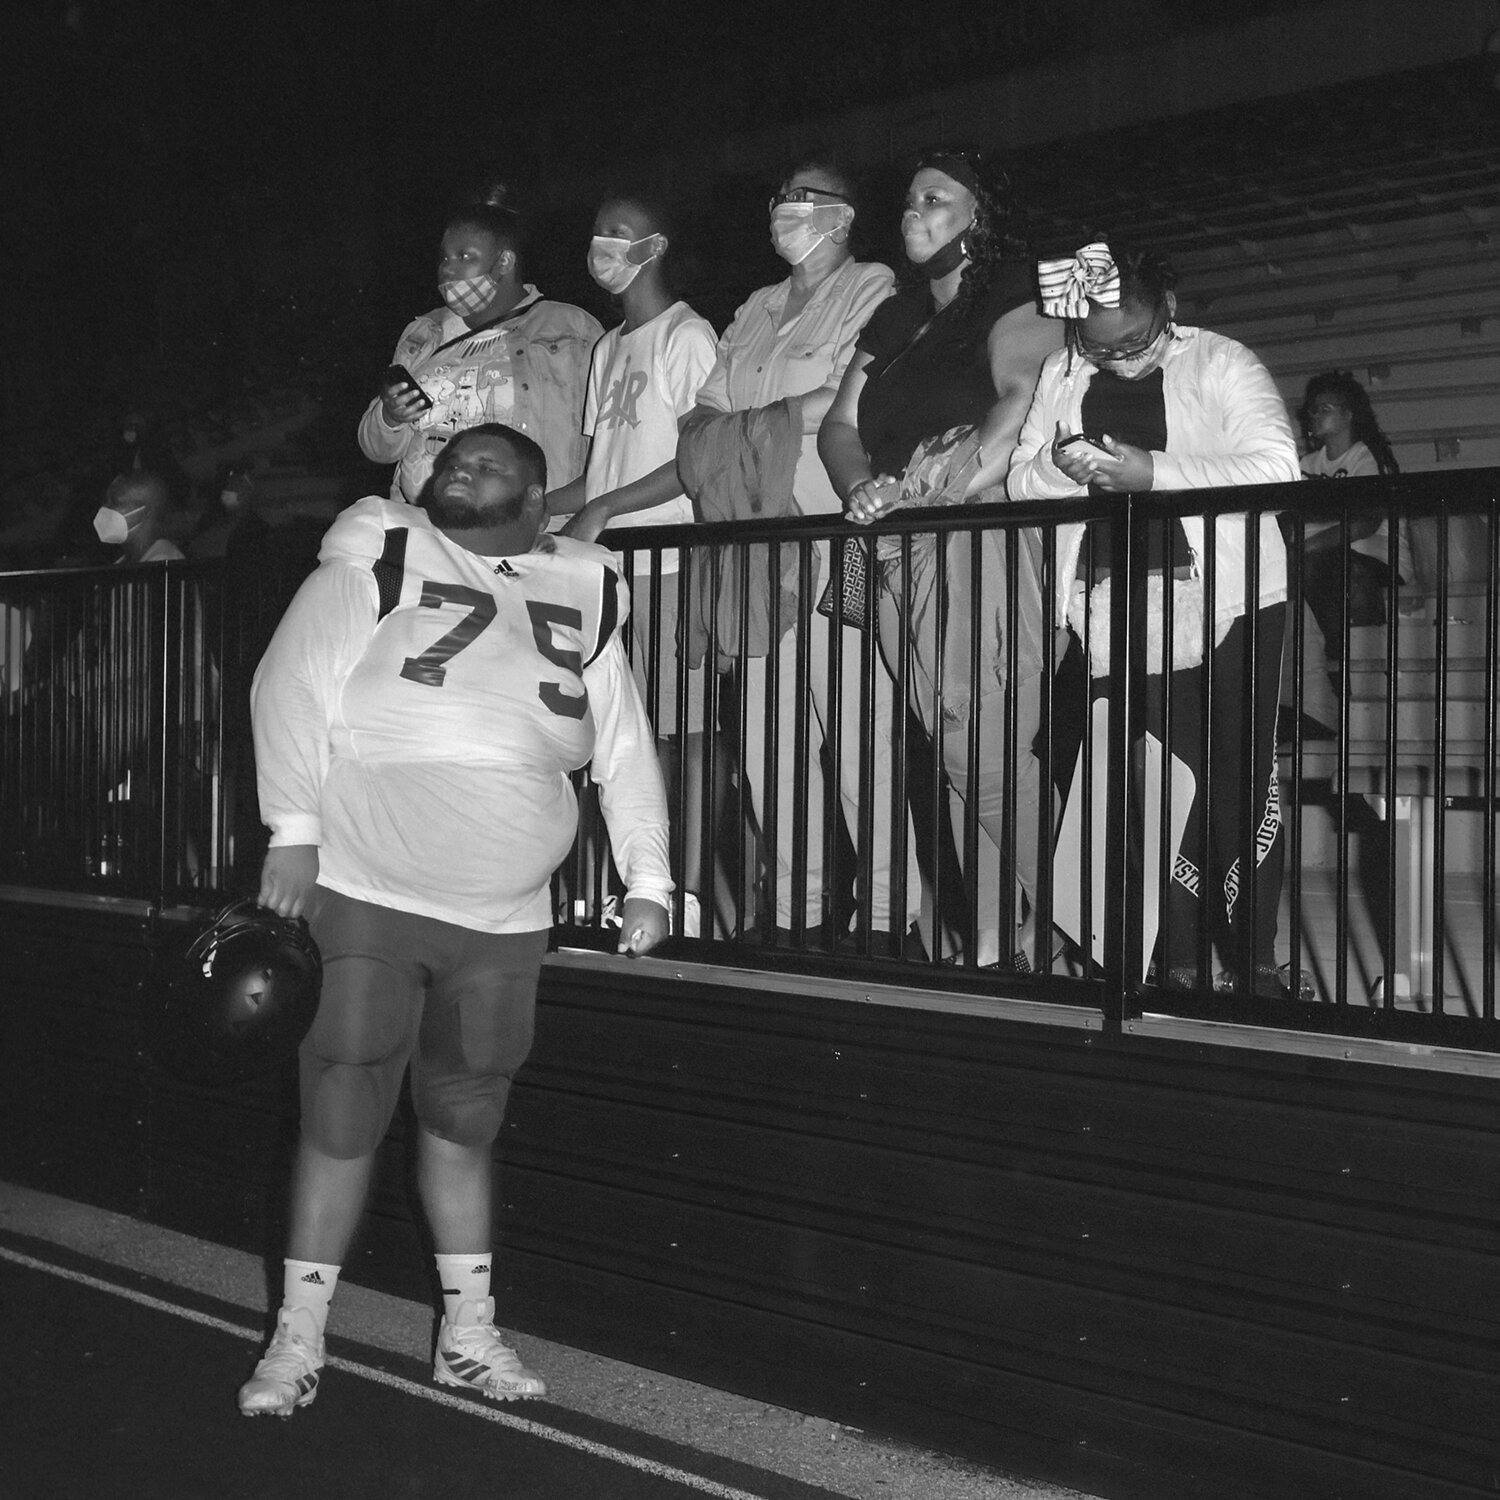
[402, 381]
[1083, 446]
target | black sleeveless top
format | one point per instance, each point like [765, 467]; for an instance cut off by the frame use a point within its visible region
[919, 390]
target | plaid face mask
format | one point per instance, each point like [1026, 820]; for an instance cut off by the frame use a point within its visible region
[470, 294]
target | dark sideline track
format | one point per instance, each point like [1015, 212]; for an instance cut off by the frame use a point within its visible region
[119, 1386]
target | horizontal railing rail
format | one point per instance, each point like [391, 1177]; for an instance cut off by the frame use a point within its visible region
[890, 760]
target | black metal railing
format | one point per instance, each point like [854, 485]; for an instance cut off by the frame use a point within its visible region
[919, 781]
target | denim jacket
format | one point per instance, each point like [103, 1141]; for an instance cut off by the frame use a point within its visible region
[531, 370]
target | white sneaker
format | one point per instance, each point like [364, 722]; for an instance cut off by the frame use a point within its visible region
[287, 1376]
[471, 1354]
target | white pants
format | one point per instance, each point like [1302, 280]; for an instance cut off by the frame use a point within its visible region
[884, 725]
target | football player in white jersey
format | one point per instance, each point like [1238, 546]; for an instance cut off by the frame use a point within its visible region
[417, 716]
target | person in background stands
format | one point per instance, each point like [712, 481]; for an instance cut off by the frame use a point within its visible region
[132, 516]
[417, 718]
[788, 345]
[643, 379]
[928, 414]
[1167, 407]
[1347, 443]
[496, 351]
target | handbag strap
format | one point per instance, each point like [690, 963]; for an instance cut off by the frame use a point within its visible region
[907, 347]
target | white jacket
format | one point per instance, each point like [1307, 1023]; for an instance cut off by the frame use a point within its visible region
[1226, 424]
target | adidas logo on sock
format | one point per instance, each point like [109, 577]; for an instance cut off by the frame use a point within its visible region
[313, 1278]
[479, 1271]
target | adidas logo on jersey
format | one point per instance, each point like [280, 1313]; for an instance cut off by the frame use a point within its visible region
[313, 1278]
[505, 570]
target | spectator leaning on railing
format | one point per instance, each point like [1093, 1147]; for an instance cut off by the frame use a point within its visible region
[1135, 403]
[778, 367]
[927, 414]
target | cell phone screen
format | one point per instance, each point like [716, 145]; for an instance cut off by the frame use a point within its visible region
[402, 378]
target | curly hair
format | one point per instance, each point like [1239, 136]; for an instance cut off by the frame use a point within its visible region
[1344, 388]
[998, 231]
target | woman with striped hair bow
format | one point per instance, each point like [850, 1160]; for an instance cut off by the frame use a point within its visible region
[1138, 402]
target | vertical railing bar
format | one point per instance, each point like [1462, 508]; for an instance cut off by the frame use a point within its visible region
[1440, 775]
[1295, 617]
[1392, 703]
[803, 768]
[1490, 805]
[1045, 770]
[1202, 947]
[937, 804]
[865, 852]
[833, 734]
[1345, 793]
[972, 883]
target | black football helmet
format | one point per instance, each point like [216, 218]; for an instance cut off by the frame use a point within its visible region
[235, 999]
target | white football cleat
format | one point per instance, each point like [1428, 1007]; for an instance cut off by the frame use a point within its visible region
[471, 1354]
[287, 1376]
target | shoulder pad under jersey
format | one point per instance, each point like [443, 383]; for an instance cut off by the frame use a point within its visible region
[358, 533]
[567, 546]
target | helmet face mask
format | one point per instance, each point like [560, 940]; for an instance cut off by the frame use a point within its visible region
[235, 1000]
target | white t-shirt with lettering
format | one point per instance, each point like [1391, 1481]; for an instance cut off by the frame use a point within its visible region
[640, 384]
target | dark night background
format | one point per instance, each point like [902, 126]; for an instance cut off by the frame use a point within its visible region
[218, 209]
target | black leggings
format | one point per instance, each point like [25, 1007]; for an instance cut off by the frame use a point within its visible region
[1226, 877]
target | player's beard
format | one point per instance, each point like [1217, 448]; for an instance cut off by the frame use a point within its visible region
[464, 512]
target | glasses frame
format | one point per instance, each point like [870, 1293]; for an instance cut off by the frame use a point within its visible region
[804, 195]
[1117, 352]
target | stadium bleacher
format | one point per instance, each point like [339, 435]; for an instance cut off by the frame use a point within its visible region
[1355, 227]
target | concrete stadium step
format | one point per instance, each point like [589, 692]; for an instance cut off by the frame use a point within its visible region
[1289, 288]
[1259, 325]
[1398, 376]
[1336, 346]
[1474, 409]
[1423, 452]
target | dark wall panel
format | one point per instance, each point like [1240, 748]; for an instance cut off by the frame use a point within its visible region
[1147, 1268]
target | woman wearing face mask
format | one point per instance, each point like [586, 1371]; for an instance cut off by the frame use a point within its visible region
[1169, 407]
[496, 351]
[927, 414]
[790, 343]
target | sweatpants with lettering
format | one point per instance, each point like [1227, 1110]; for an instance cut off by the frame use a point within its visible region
[1227, 873]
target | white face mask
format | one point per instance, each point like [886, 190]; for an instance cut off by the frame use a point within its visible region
[112, 526]
[610, 263]
[796, 233]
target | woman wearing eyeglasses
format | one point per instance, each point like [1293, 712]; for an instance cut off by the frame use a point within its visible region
[927, 414]
[1137, 402]
[791, 342]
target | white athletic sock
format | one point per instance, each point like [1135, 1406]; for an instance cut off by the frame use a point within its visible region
[464, 1279]
[309, 1285]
